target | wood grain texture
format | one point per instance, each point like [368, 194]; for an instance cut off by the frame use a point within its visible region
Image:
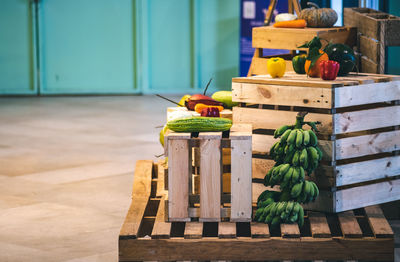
[259, 66]
[142, 178]
[241, 179]
[272, 119]
[226, 230]
[367, 170]
[210, 176]
[287, 82]
[367, 145]
[261, 167]
[373, 194]
[261, 250]
[319, 225]
[349, 225]
[279, 95]
[161, 229]
[290, 231]
[259, 230]
[193, 230]
[380, 226]
[366, 119]
[370, 48]
[369, 66]
[162, 165]
[179, 169]
[377, 93]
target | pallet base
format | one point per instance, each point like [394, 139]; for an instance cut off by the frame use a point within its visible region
[362, 234]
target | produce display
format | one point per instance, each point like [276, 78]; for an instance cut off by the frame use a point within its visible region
[298, 63]
[224, 97]
[296, 155]
[200, 124]
[318, 17]
[329, 69]
[342, 54]
[298, 23]
[276, 67]
[311, 66]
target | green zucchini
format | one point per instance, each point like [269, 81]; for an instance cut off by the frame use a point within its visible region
[200, 124]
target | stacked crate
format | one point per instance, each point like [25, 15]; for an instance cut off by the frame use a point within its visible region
[376, 31]
[209, 200]
[359, 136]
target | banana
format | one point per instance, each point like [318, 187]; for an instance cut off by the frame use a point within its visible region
[273, 148]
[320, 154]
[293, 218]
[285, 135]
[280, 208]
[289, 174]
[299, 138]
[316, 191]
[284, 216]
[313, 138]
[268, 219]
[272, 210]
[283, 170]
[302, 173]
[295, 176]
[304, 158]
[301, 216]
[289, 207]
[306, 138]
[296, 157]
[258, 213]
[278, 132]
[267, 179]
[289, 156]
[276, 221]
[262, 196]
[292, 137]
[296, 190]
[285, 196]
[266, 202]
[296, 208]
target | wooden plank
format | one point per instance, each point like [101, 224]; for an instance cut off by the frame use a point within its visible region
[319, 225]
[196, 184]
[226, 230]
[367, 170]
[263, 143]
[349, 225]
[272, 119]
[142, 178]
[130, 227]
[366, 119]
[370, 48]
[226, 183]
[290, 231]
[279, 95]
[261, 249]
[261, 167]
[194, 212]
[179, 169]
[376, 93]
[326, 202]
[160, 177]
[193, 230]
[161, 229]
[259, 230]
[260, 66]
[358, 146]
[369, 66]
[241, 177]
[378, 222]
[380, 76]
[210, 176]
[287, 82]
[293, 76]
[367, 195]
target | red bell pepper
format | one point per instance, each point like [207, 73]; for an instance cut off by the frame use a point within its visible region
[210, 112]
[329, 69]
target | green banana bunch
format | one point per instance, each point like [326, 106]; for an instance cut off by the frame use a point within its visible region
[306, 192]
[279, 131]
[281, 212]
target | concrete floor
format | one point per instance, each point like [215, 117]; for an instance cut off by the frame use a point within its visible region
[66, 171]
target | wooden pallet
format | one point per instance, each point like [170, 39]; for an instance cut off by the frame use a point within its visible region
[376, 30]
[362, 234]
[209, 145]
[359, 135]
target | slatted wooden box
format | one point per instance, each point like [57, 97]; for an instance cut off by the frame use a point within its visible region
[359, 135]
[376, 30]
[210, 202]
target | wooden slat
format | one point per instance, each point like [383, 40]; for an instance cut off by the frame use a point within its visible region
[160, 177]
[226, 230]
[263, 143]
[226, 183]
[290, 231]
[272, 119]
[349, 225]
[259, 66]
[241, 176]
[380, 76]
[377, 93]
[366, 119]
[210, 176]
[170, 135]
[179, 169]
[193, 230]
[279, 95]
[194, 212]
[259, 230]
[367, 170]
[367, 195]
[324, 203]
[319, 225]
[161, 229]
[261, 167]
[367, 145]
[293, 76]
[370, 48]
[369, 66]
[378, 222]
[140, 195]
[287, 82]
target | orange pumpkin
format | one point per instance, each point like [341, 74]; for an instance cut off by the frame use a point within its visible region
[314, 71]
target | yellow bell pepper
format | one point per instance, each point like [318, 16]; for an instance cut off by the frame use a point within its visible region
[276, 67]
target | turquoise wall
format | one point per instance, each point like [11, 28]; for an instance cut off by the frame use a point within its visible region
[113, 47]
[393, 54]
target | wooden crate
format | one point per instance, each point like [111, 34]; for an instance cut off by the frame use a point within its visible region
[208, 202]
[362, 234]
[359, 135]
[226, 113]
[291, 39]
[376, 30]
